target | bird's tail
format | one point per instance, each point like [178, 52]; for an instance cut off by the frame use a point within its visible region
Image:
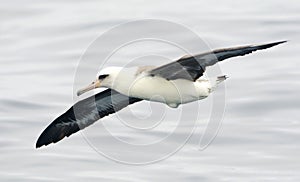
[216, 81]
[221, 79]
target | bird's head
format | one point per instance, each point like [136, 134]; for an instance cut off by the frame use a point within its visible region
[105, 78]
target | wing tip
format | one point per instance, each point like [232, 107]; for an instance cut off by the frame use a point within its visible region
[39, 144]
[43, 138]
[279, 42]
[47, 138]
[268, 45]
[42, 141]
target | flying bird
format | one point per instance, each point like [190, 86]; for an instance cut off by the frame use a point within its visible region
[175, 83]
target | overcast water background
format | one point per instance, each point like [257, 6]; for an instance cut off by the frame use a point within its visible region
[40, 46]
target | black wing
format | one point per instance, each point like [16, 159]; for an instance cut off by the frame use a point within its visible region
[83, 114]
[193, 67]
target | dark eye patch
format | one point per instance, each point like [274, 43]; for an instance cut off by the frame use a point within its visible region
[101, 77]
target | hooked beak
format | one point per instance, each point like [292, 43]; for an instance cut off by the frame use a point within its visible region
[95, 84]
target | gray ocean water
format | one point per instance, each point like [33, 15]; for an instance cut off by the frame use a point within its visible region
[41, 43]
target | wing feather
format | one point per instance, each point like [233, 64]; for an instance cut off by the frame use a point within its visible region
[83, 114]
[193, 67]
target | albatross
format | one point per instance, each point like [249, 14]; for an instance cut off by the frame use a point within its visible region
[175, 83]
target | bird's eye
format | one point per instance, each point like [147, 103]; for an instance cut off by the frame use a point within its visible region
[101, 77]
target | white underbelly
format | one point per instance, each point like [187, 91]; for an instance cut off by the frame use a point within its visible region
[173, 92]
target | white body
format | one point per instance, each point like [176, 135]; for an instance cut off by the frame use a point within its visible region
[155, 88]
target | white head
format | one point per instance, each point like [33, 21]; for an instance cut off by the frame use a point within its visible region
[105, 78]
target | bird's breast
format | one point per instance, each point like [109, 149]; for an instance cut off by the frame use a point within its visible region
[172, 92]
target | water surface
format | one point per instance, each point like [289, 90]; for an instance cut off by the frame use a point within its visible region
[40, 46]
